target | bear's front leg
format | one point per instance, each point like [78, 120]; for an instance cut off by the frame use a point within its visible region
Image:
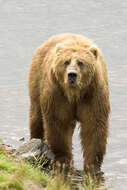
[59, 137]
[94, 132]
[59, 124]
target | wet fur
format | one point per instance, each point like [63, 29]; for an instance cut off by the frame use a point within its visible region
[55, 107]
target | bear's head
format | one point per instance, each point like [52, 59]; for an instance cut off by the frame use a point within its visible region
[74, 66]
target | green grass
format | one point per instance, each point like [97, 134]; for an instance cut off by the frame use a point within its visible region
[24, 176]
[14, 175]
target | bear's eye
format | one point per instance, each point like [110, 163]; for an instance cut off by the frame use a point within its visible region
[67, 62]
[80, 63]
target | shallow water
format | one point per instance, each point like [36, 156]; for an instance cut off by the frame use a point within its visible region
[24, 25]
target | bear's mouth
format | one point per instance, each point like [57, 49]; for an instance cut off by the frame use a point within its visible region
[71, 82]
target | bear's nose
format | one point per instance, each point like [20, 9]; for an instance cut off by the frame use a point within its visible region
[72, 77]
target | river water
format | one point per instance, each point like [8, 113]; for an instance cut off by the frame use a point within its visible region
[25, 25]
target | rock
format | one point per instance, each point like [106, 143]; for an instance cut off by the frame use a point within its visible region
[35, 150]
[7, 148]
[22, 139]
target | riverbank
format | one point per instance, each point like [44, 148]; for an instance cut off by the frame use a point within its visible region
[24, 176]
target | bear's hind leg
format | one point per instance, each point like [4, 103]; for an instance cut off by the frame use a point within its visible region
[36, 123]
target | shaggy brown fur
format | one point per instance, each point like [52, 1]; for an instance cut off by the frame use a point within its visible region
[56, 104]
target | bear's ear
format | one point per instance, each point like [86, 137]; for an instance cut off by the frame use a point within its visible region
[58, 47]
[94, 51]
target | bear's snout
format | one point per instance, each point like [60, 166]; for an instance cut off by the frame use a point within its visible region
[72, 76]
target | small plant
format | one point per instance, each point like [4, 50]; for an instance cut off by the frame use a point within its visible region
[24, 176]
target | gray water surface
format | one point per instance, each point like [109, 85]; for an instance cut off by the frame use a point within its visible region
[25, 25]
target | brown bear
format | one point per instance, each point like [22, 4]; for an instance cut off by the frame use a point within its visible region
[68, 83]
